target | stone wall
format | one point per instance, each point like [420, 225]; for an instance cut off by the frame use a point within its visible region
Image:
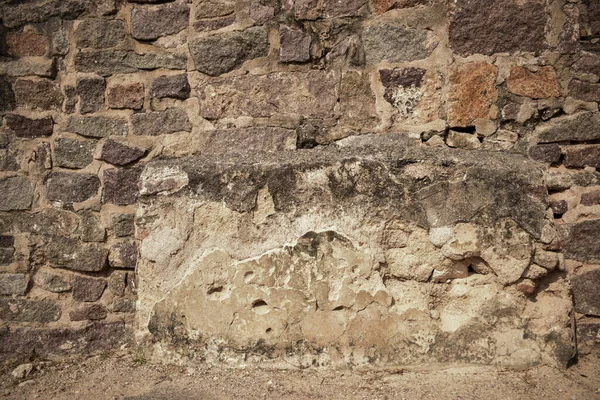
[318, 181]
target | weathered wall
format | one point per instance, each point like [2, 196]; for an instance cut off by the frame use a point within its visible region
[382, 181]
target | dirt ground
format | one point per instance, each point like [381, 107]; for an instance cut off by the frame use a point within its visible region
[126, 376]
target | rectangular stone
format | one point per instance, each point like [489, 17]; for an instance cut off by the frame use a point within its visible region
[579, 156]
[312, 95]
[156, 123]
[250, 140]
[16, 193]
[28, 128]
[72, 254]
[109, 62]
[40, 66]
[13, 284]
[22, 310]
[97, 126]
[577, 127]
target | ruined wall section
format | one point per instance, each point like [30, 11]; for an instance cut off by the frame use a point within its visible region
[91, 91]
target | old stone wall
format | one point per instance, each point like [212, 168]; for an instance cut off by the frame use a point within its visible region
[319, 181]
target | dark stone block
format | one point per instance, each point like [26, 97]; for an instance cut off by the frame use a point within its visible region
[72, 254]
[71, 153]
[549, 153]
[13, 284]
[120, 154]
[582, 156]
[100, 33]
[71, 187]
[21, 310]
[110, 62]
[40, 94]
[91, 228]
[16, 193]
[7, 95]
[176, 87]
[24, 127]
[151, 23]
[89, 312]
[121, 186]
[123, 255]
[88, 289]
[591, 198]
[97, 126]
[91, 94]
[580, 240]
[586, 288]
[161, 122]
[123, 225]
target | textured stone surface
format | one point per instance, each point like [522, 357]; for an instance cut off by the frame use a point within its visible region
[45, 67]
[21, 310]
[26, 43]
[52, 282]
[126, 96]
[24, 127]
[71, 187]
[72, 153]
[549, 153]
[121, 186]
[7, 95]
[175, 86]
[90, 227]
[311, 9]
[88, 289]
[89, 312]
[13, 284]
[250, 140]
[109, 62]
[100, 33]
[396, 43]
[72, 254]
[591, 198]
[537, 85]
[123, 225]
[311, 95]
[580, 240]
[40, 94]
[294, 44]
[91, 94]
[35, 12]
[161, 122]
[120, 154]
[585, 291]
[123, 255]
[97, 126]
[576, 127]
[584, 90]
[480, 26]
[16, 193]
[217, 54]
[149, 23]
[582, 156]
[473, 92]
[357, 101]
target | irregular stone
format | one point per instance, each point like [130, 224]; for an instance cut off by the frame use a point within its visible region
[294, 44]
[123, 255]
[7, 95]
[21, 310]
[217, 54]
[357, 101]
[123, 305]
[70, 100]
[176, 87]
[249, 140]
[537, 85]
[41, 94]
[559, 207]
[58, 31]
[214, 8]
[22, 13]
[24, 127]
[381, 6]
[44, 67]
[8, 161]
[126, 96]
[546, 259]
[13, 284]
[472, 93]
[117, 283]
[16, 193]
[261, 13]
[71, 187]
[72, 254]
[549, 153]
[311, 10]
[580, 240]
[88, 289]
[496, 27]
[110, 62]
[121, 186]
[100, 33]
[91, 94]
[584, 90]
[394, 42]
[156, 123]
[88, 312]
[462, 140]
[22, 371]
[590, 198]
[120, 154]
[588, 63]
[206, 25]
[72, 153]
[27, 44]
[162, 179]
[123, 225]
[91, 228]
[585, 292]
[52, 282]
[149, 23]
[312, 95]
[535, 272]
[7, 249]
[582, 156]
[97, 126]
[577, 127]
[563, 180]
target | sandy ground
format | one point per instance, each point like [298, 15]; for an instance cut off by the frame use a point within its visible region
[126, 376]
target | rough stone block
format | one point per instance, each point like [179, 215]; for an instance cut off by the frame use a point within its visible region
[88, 312]
[97, 126]
[91, 94]
[27, 43]
[472, 93]
[215, 8]
[176, 87]
[488, 27]
[110, 62]
[121, 186]
[584, 90]
[123, 255]
[128, 95]
[217, 54]
[577, 127]
[40, 66]
[312, 95]
[123, 225]
[120, 154]
[312, 10]
[149, 23]
[88, 289]
[537, 85]
[585, 292]
[100, 33]
[16, 193]
[41, 94]
[580, 240]
[161, 122]
[71, 187]
[13, 284]
[588, 336]
[52, 282]
[206, 25]
[294, 44]
[582, 156]
[117, 282]
[22, 13]
[549, 153]
[27, 128]
[91, 228]
[7, 95]
[357, 102]
[21, 310]
[590, 198]
[123, 305]
[250, 140]
[72, 254]
[394, 42]
[72, 153]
